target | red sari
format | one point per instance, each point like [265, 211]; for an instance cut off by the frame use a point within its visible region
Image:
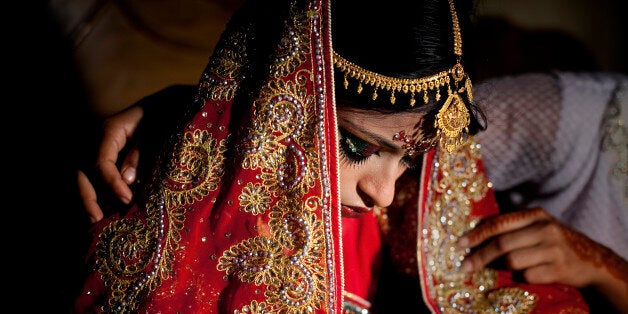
[246, 217]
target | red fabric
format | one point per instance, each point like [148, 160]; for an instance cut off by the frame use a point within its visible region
[362, 253]
[457, 196]
[247, 224]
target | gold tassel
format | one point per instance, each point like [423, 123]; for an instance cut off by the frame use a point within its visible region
[452, 119]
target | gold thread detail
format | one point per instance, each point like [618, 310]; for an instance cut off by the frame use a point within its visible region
[453, 118]
[392, 84]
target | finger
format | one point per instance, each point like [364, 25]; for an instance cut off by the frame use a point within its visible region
[112, 177]
[534, 256]
[481, 257]
[502, 224]
[116, 132]
[541, 274]
[553, 264]
[112, 143]
[129, 166]
[88, 195]
[503, 244]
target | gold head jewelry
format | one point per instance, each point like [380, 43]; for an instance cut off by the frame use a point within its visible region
[453, 118]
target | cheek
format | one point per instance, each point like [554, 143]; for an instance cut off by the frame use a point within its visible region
[349, 176]
[371, 172]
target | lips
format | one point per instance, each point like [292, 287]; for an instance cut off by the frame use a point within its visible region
[354, 211]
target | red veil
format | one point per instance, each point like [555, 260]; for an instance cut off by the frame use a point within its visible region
[246, 218]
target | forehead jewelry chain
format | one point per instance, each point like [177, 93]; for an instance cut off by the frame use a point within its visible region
[453, 118]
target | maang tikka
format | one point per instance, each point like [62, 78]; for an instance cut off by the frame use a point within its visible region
[452, 120]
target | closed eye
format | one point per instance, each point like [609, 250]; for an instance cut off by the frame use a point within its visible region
[354, 149]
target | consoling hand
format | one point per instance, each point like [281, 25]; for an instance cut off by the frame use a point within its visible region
[118, 130]
[143, 126]
[546, 251]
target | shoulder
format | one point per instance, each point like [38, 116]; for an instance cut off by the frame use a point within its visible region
[523, 85]
[519, 96]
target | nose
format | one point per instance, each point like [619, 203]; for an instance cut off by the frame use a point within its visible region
[379, 188]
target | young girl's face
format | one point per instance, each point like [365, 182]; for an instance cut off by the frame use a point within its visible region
[373, 156]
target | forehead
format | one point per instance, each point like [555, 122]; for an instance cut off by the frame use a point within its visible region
[374, 120]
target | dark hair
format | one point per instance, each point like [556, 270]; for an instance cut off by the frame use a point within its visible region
[402, 39]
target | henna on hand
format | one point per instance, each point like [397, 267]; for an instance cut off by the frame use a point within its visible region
[597, 254]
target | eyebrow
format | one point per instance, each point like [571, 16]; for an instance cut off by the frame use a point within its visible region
[377, 138]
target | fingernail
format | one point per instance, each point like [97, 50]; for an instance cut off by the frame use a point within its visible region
[126, 200]
[129, 175]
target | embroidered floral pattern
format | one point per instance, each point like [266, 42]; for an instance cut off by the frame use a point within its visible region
[254, 199]
[223, 74]
[455, 186]
[134, 256]
[128, 247]
[197, 167]
[253, 308]
[289, 262]
[295, 47]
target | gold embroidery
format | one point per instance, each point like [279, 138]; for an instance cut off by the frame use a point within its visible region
[290, 263]
[294, 48]
[127, 247]
[279, 143]
[289, 255]
[253, 308]
[280, 146]
[287, 263]
[253, 260]
[197, 163]
[223, 74]
[297, 228]
[254, 199]
[511, 300]
[123, 251]
[456, 183]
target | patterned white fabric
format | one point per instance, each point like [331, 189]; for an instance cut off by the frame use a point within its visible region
[559, 141]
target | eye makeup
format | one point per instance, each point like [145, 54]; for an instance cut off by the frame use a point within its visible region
[354, 149]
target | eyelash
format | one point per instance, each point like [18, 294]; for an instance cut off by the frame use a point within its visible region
[351, 156]
[366, 151]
